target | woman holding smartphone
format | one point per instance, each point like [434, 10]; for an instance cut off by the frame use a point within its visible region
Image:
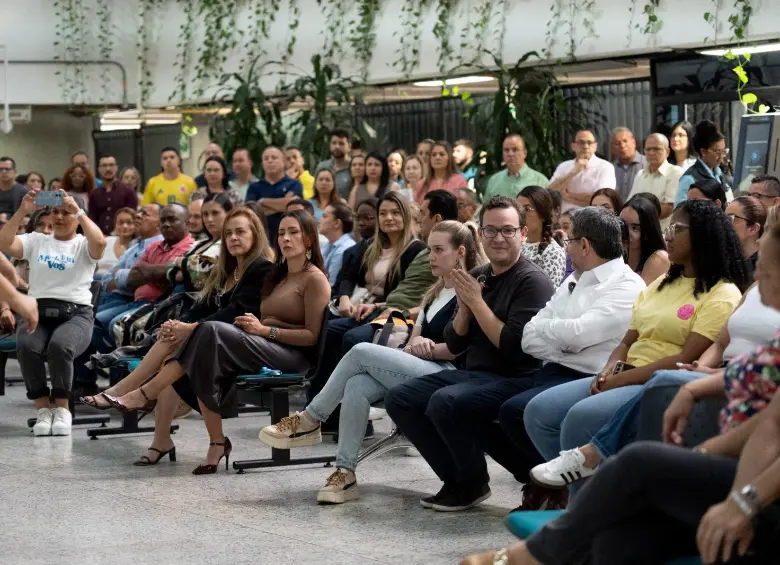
[675, 319]
[62, 265]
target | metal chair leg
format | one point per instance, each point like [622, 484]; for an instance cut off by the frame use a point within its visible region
[393, 441]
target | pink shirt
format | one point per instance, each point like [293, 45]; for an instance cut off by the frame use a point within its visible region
[160, 253]
[452, 184]
[598, 174]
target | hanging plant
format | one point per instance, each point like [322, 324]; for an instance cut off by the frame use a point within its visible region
[260, 20]
[146, 19]
[582, 17]
[442, 31]
[64, 39]
[105, 38]
[293, 22]
[498, 25]
[474, 34]
[652, 24]
[553, 25]
[362, 36]
[713, 18]
[408, 52]
[739, 21]
[221, 36]
[334, 30]
[184, 50]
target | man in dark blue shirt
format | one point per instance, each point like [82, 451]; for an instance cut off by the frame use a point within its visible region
[275, 190]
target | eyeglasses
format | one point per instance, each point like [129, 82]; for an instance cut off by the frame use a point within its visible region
[566, 242]
[753, 194]
[674, 228]
[528, 208]
[733, 217]
[489, 232]
[5, 169]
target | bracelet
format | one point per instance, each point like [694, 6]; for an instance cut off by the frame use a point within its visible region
[273, 333]
[501, 557]
[79, 214]
[745, 506]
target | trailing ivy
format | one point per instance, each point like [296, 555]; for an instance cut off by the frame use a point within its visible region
[261, 18]
[64, 39]
[739, 21]
[498, 25]
[184, 50]
[334, 30]
[409, 38]
[553, 25]
[293, 23]
[221, 36]
[362, 37]
[105, 38]
[442, 30]
[652, 24]
[474, 33]
[146, 20]
[713, 18]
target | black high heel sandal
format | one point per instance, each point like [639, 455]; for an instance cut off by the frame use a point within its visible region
[114, 402]
[211, 469]
[92, 402]
[146, 461]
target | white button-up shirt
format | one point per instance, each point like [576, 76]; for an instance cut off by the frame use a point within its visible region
[580, 328]
[663, 183]
[598, 174]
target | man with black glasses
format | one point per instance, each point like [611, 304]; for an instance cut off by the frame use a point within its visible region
[578, 178]
[767, 189]
[439, 413]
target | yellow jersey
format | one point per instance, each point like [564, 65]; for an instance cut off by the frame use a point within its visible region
[162, 191]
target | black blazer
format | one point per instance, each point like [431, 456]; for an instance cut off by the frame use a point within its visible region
[353, 271]
[242, 298]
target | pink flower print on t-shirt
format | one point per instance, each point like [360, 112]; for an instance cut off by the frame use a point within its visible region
[685, 312]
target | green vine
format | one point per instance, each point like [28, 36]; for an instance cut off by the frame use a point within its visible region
[105, 38]
[362, 37]
[713, 18]
[334, 29]
[652, 24]
[442, 31]
[262, 16]
[221, 36]
[586, 10]
[184, 50]
[293, 23]
[738, 22]
[408, 52]
[145, 19]
[498, 25]
[64, 35]
[553, 25]
[475, 34]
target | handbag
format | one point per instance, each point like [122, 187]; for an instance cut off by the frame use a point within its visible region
[360, 295]
[53, 310]
[394, 332]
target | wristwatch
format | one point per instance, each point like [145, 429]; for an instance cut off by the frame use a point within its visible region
[79, 214]
[272, 334]
[748, 501]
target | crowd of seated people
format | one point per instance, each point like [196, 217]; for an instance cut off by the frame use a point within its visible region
[533, 333]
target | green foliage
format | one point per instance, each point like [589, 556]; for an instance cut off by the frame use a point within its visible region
[293, 23]
[69, 46]
[184, 50]
[408, 52]
[255, 119]
[221, 37]
[530, 101]
[739, 21]
[326, 97]
[442, 32]
[652, 24]
[334, 29]
[260, 18]
[362, 36]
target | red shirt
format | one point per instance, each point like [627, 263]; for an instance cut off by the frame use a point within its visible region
[160, 253]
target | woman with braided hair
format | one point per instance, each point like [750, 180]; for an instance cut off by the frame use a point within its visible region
[540, 247]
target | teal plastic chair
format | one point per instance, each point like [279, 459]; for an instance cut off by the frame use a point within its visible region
[523, 524]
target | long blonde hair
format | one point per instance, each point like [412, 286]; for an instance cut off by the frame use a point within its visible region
[460, 234]
[227, 263]
[381, 241]
[772, 217]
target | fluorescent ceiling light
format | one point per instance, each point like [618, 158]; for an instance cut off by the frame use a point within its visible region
[454, 81]
[116, 127]
[765, 48]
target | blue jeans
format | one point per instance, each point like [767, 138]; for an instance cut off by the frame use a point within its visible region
[362, 377]
[106, 318]
[622, 428]
[112, 299]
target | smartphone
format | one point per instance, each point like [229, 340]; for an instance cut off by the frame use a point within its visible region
[47, 198]
[621, 366]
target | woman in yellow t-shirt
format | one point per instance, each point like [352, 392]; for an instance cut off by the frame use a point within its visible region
[171, 185]
[675, 319]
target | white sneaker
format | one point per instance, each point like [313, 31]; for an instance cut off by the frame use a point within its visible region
[341, 487]
[292, 431]
[568, 467]
[376, 413]
[62, 422]
[42, 426]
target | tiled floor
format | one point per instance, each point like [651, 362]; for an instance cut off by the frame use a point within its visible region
[82, 502]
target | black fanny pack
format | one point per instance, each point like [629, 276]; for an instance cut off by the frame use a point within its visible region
[53, 310]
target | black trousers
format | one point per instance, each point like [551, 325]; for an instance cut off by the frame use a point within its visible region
[441, 413]
[643, 506]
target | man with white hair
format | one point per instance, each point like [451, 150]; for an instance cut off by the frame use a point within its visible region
[659, 177]
[628, 161]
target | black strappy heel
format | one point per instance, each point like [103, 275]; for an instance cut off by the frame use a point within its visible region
[146, 461]
[211, 469]
[114, 402]
[90, 401]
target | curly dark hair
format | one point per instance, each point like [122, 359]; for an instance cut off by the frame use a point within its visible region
[716, 252]
[544, 206]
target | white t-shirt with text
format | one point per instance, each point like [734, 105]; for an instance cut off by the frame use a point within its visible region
[59, 269]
